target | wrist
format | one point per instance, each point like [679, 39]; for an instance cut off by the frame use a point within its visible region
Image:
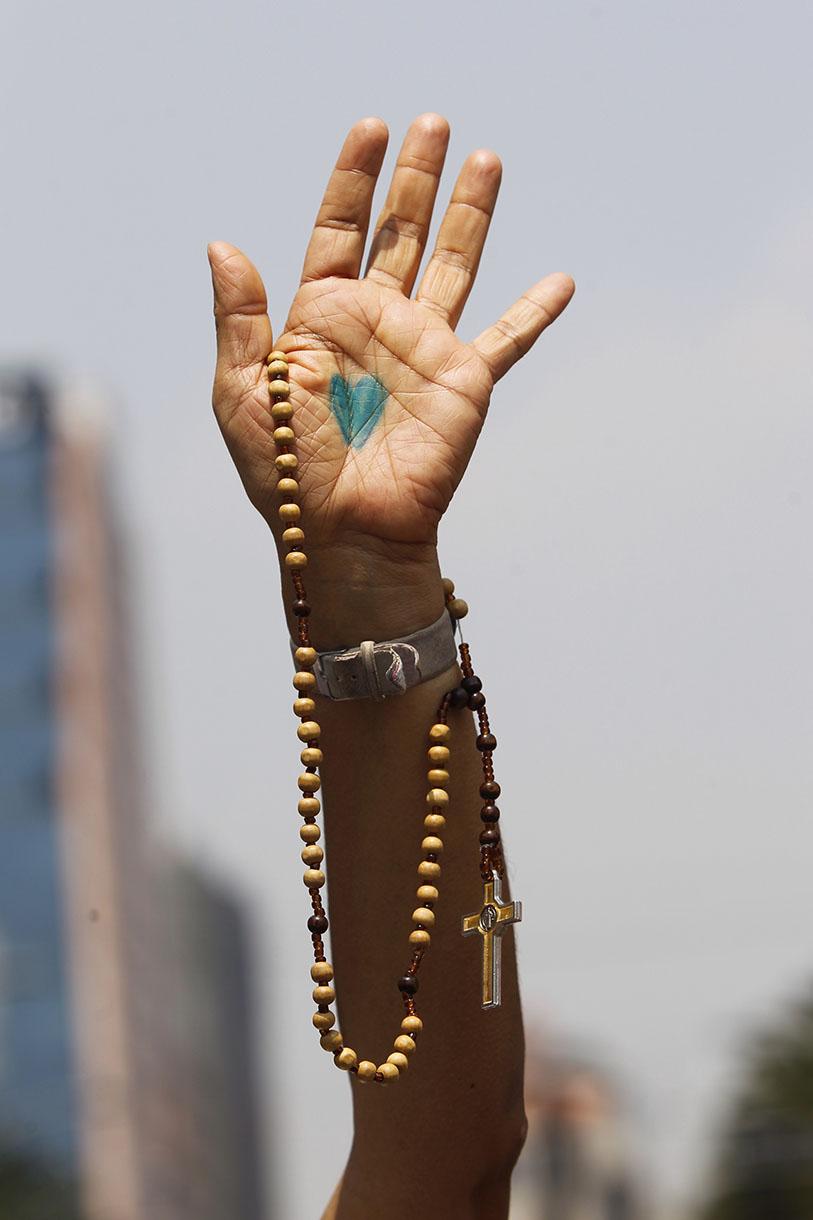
[368, 589]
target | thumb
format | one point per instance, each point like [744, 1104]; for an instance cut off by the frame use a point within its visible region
[244, 336]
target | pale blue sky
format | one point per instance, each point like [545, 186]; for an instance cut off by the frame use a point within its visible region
[645, 476]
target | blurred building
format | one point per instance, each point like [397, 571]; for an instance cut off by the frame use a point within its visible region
[126, 1070]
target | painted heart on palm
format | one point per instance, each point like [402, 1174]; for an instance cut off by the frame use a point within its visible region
[357, 405]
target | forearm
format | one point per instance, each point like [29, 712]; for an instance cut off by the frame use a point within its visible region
[449, 1129]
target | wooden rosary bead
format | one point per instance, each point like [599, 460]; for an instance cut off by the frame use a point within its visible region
[448, 586]
[437, 796]
[305, 657]
[486, 742]
[434, 822]
[301, 608]
[408, 984]
[429, 869]
[314, 878]
[277, 368]
[439, 734]
[286, 461]
[419, 936]
[490, 813]
[318, 925]
[425, 916]
[311, 757]
[490, 790]
[432, 845]
[427, 893]
[296, 560]
[458, 698]
[476, 702]
[458, 608]
[388, 1072]
[289, 514]
[437, 778]
[366, 1070]
[331, 1041]
[288, 487]
[323, 1020]
[439, 755]
[310, 833]
[280, 389]
[471, 684]
[321, 972]
[404, 1044]
[323, 994]
[399, 1060]
[276, 355]
[303, 679]
[284, 435]
[490, 836]
[346, 1059]
[308, 782]
[304, 707]
[312, 855]
[309, 806]
[412, 1025]
[309, 730]
[280, 411]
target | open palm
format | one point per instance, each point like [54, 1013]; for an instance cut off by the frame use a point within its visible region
[388, 402]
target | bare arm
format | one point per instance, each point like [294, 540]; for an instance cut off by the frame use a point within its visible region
[388, 404]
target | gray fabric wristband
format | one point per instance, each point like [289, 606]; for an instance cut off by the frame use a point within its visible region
[378, 671]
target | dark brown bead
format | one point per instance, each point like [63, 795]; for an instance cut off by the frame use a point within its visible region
[458, 697]
[301, 608]
[408, 985]
[477, 701]
[490, 813]
[317, 924]
[489, 836]
[472, 685]
[486, 741]
[490, 790]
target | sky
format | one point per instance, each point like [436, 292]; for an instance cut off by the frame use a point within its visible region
[643, 476]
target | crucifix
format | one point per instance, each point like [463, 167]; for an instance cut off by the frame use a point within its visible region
[491, 922]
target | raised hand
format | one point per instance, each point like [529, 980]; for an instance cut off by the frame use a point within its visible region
[388, 401]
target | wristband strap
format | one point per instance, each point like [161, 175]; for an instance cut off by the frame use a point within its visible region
[378, 671]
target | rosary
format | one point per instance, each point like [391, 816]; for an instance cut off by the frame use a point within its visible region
[491, 921]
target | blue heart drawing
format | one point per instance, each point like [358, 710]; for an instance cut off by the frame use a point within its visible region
[357, 407]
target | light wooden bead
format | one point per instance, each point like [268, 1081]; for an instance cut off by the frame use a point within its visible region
[295, 561]
[289, 513]
[305, 656]
[400, 1061]
[309, 731]
[427, 893]
[293, 537]
[448, 586]
[366, 1070]
[458, 608]
[424, 915]
[286, 461]
[438, 755]
[434, 822]
[277, 368]
[308, 782]
[312, 855]
[303, 679]
[432, 845]
[419, 936]
[323, 994]
[439, 734]
[276, 355]
[309, 806]
[304, 707]
[322, 972]
[429, 869]
[346, 1059]
[288, 487]
[284, 435]
[437, 796]
[332, 1041]
[314, 878]
[311, 757]
[280, 411]
[404, 1044]
[280, 388]
[412, 1025]
[310, 833]
[437, 777]
[323, 1020]
[388, 1071]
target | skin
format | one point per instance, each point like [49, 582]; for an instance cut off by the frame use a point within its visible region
[446, 1135]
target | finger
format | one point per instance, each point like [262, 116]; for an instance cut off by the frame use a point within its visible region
[450, 273]
[241, 319]
[519, 327]
[337, 244]
[403, 226]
